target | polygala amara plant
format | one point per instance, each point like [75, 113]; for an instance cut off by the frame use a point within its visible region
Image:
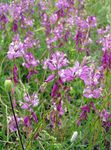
[56, 57]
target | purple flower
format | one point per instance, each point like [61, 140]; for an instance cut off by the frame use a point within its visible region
[70, 73]
[43, 5]
[60, 108]
[50, 78]
[30, 101]
[91, 78]
[33, 100]
[92, 21]
[30, 41]
[103, 31]
[15, 48]
[54, 89]
[12, 124]
[56, 61]
[105, 117]
[30, 60]
[92, 93]
[31, 72]
[25, 105]
[3, 19]
[26, 22]
[63, 4]
[85, 110]
[34, 117]
[27, 121]
[53, 18]
[15, 26]
[106, 60]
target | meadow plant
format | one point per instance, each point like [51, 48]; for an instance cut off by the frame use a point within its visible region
[56, 56]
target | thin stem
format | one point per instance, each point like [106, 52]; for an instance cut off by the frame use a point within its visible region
[16, 121]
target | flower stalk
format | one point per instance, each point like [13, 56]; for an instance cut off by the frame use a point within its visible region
[20, 138]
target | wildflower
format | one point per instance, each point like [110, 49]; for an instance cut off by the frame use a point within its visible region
[30, 60]
[27, 121]
[91, 20]
[105, 117]
[53, 18]
[70, 73]
[15, 48]
[30, 101]
[74, 136]
[12, 124]
[15, 26]
[85, 110]
[50, 78]
[56, 61]
[30, 41]
[30, 73]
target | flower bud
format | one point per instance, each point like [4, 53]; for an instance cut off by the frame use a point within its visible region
[8, 85]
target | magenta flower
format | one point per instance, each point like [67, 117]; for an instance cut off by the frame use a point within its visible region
[31, 72]
[15, 48]
[12, 124]
[91, 78]
[15, 26]
[106, 60]
[60, 108]
[70, 73]
[25, 21]
[54, 90]
[27, 121]
[30, 101]
[62, 4]
[31, 62]
[50, 78]
[92, 21]
[105, 117]
[103, 31]
[53, 18]
[92, 93]
[85, 110]
[34, 117]
[30, 41]
[56, 61]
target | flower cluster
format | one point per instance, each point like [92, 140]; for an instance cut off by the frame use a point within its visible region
[54, 47]
[29, 103]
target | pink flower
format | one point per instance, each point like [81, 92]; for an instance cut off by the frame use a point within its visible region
[50, 78]
[92, 93]
[27, 121]
[30, 101]
[15, 48]
[30, 60]
[70, 73]
[12, 124]
[56, 61]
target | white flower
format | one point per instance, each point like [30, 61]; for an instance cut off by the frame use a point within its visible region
[74, 136]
